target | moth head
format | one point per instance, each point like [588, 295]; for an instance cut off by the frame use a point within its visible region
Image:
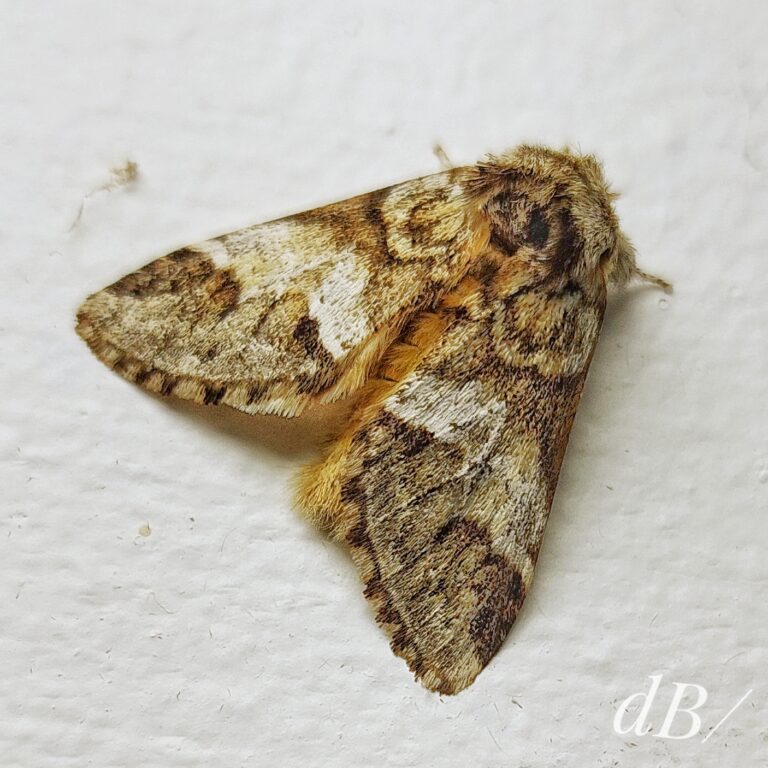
[553, 212]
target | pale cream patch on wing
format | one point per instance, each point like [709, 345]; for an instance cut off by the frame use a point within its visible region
[270, 259]
[272, 237]
[214, 249]
[335, 305]
[446, 409]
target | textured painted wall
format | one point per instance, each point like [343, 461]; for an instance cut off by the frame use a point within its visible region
[160, 602]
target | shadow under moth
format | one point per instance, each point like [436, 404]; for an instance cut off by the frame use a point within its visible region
[462, 309]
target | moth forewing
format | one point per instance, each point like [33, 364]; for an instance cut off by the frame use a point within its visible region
[274, 317]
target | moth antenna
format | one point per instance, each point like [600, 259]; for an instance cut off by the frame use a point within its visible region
[659, 282]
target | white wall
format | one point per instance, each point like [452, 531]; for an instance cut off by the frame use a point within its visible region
[234, 634]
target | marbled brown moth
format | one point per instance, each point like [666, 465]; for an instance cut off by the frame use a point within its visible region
[463, 309]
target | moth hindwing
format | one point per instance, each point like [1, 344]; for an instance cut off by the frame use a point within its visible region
[463, 308]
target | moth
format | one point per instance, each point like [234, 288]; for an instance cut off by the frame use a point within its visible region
[461, 310]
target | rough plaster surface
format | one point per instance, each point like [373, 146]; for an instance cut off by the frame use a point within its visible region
[233, 634]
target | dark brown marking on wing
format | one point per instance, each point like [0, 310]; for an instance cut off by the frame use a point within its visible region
[421, 222]
[406, 440]
[324, 370]
[223, 292]
[213, 394]
[500, 591]
[307, 333]
[168, 385]
[375, 217]
[256, 392]
[486, 271]
[173, 273]
[567, 248]
[538, 228]
[140, 377]
[498, 587]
